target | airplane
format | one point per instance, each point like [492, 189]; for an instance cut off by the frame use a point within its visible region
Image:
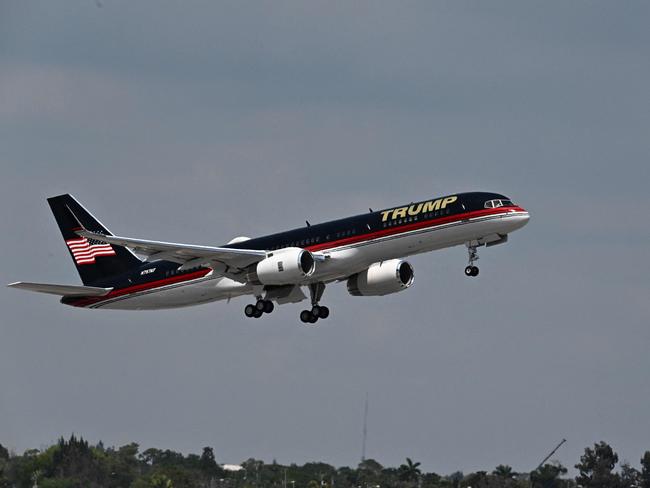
[366, 251]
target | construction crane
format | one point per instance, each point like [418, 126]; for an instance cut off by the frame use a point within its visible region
[550, 454]
[532, 481]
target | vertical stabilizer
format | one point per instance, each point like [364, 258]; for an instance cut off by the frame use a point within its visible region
[95, 261]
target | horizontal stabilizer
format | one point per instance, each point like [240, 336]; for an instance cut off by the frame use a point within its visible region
[62, 290]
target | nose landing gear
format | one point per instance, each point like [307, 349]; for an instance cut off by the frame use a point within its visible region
[317, 311]
[472, 270]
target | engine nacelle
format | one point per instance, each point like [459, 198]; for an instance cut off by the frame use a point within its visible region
[381, 279]
[283, 267]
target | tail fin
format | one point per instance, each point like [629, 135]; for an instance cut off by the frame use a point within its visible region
[95, 261]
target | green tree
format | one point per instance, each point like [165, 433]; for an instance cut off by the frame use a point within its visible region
[4, 481]
[122, 465]
[161, 481]
[58, 483]
[207, 462]
[645, 470]
[476, 480]
[431, 480]
[629, 477]
[369, 472]
[548, 476]
[75, 460]
[455, 478]
[4, 463]
[150, 456]
[346, 476]
[596, 467]
[208, 466]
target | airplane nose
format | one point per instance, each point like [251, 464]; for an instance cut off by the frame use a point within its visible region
[520, 217]
[524, 217]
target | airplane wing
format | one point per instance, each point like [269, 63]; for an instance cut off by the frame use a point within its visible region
[188, 255]
[62, 290]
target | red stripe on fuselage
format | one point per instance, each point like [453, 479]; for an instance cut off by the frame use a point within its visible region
[400, 229]
[142, 287]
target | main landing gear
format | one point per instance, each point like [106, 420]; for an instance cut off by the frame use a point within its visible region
[259, 308]
[472, 270]
[317, 311]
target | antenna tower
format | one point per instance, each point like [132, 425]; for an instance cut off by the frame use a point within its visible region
[365, 430]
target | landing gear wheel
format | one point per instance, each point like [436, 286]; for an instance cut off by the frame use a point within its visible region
[259, 305]
[317, 311]
[268, 306]
[250, 310]
[307, 317]
[471, 271]
[258, 314]
[324, 312]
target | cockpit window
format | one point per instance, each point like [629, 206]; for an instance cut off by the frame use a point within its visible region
[498, 203]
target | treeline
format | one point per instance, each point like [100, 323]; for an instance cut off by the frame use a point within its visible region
[74, 463]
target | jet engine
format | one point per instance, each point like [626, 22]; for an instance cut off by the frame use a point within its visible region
[381, 279]
[283, 267]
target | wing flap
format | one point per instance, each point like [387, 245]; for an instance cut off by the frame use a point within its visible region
[62, 290]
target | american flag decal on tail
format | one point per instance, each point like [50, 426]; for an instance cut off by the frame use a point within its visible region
[84, 250]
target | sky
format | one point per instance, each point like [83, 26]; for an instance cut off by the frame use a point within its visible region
[201, 121]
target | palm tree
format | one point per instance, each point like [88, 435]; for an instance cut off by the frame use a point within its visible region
[503, 471]
[409, 471]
